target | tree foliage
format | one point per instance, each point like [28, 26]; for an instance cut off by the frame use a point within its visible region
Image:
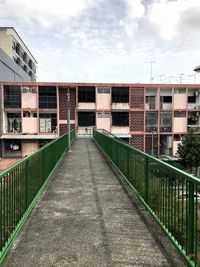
[189, 150]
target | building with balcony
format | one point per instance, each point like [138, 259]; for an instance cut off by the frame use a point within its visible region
[151, 117]
[16, 61]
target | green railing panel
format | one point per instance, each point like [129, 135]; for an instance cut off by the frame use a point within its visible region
[21, 184]
[171, 195]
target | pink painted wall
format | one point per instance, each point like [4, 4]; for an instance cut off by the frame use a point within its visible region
[103, 123]
[180, 125]
[103, 101]
[29, 148]
[29, 125]
[175, 146]
[29, 100]
[119, 130]
[180, 101]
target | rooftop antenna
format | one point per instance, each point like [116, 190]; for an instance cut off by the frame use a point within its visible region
[151, 69]
[193, 75]
[181, 77]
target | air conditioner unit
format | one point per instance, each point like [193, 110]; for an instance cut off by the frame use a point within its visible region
[196, 93]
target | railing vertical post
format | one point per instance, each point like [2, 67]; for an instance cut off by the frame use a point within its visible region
[191, 219]
[43, 166]
[127, 158]
[146, 172]
[26, 185]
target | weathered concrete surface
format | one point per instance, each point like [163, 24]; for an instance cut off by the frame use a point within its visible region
[87, 218]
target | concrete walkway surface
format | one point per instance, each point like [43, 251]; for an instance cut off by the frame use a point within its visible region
[87, 217]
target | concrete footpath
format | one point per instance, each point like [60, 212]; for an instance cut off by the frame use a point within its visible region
[87, 217]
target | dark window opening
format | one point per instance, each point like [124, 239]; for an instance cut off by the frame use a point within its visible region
[47, 97]
[191, 99]
[120, 119]
[12, 148]
[86, 94]
[177, 137]
[120, 94]
[167, 99]
[86, 119]
[12, 96]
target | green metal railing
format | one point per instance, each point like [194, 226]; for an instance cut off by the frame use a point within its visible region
[171, 195]
[21, 185]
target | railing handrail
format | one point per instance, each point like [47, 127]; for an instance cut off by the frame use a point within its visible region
[170, 194]
[189, 176]
[23, 183]
[27, 158]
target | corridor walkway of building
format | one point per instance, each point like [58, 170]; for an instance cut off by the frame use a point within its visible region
[88, 217]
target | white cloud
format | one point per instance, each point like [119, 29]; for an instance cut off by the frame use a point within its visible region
[134, 12]
[167, 15]
[44, 12]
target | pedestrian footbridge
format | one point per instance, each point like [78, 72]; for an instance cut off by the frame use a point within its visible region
[103, 203]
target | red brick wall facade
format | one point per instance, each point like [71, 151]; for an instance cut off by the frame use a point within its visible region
[137, 141]
[137, 98]
[136, 121]
[63, 103]
[63, 128]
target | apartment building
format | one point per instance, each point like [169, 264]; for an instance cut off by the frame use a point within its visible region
[13, 48]
[151, 117]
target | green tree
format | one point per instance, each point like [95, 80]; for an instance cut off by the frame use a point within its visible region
[189, 150]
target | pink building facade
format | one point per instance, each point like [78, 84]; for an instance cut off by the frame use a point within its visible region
[151, 117]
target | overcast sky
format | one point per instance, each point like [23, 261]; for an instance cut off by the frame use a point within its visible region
[108, 40]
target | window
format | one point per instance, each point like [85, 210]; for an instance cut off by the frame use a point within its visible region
[47, 97]
[167, 99]
[178, 114]
[151, 102]
[151, 121]
[120, 94]
[13, 44]
[191, 99]
[28, 114]
[12, 96]
[18, 49]
[180, 90]
[120, 119]
[48, 123]
[165, 121]
[12, 147]
[86, 119]
[103, 90]
[86, 94]
[13, 122]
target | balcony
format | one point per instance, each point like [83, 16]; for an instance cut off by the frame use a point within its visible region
[165, 106]
[165, 128]
[120, 106]
[152, 105]
[196, 128]
[151, 128]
